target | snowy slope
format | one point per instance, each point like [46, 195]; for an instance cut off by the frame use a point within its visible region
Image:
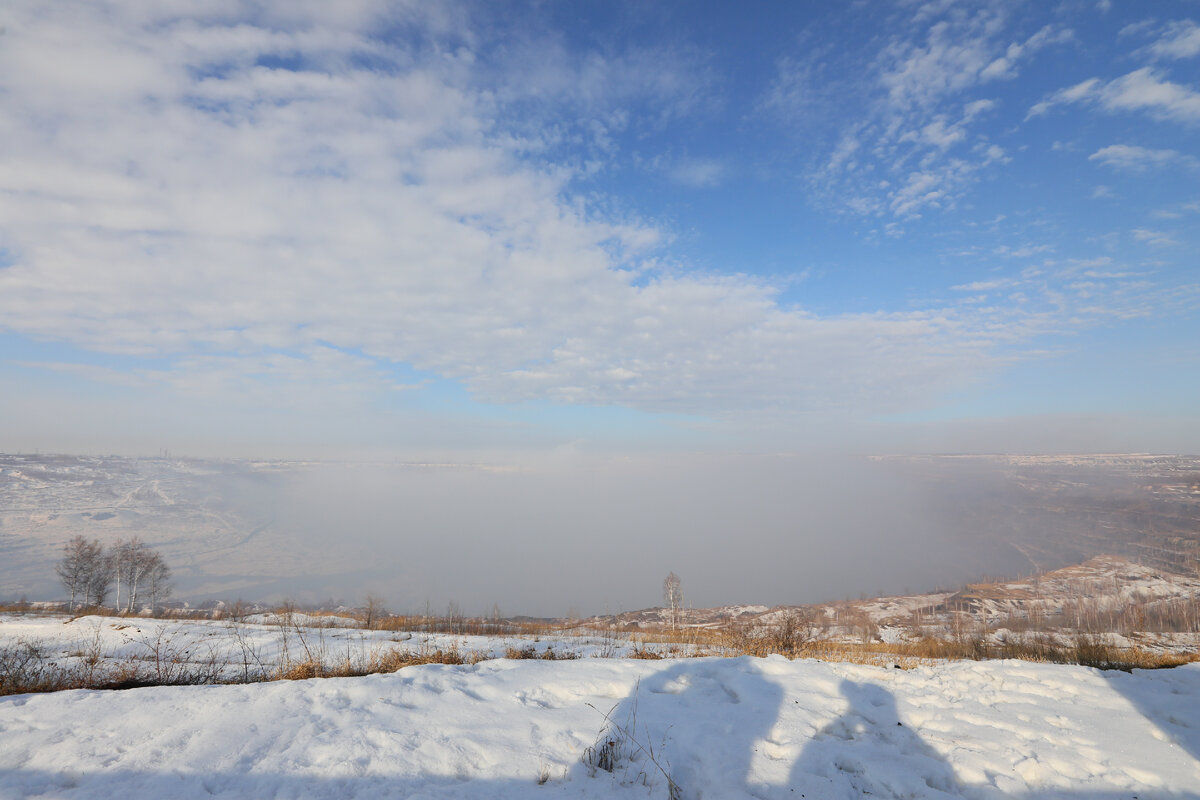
[1104, 582]
[722, 728]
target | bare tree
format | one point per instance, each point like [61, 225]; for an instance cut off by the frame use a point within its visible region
[82, 559]
[673, 596]
[100, 581]
[157, 580]
[374, 609]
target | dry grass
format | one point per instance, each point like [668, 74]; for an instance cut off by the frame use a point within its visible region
[459, 626]
[28, 666]
[387, 661]
[1088, 651]
[545, 654]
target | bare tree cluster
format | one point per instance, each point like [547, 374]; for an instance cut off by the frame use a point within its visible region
[89, 571]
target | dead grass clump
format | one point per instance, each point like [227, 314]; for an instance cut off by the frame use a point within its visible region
[377, 662]
[24, 668]
[692, 636]
[640, 651]
[396, 658]
[531, 651]
[301, 670]
[792, 636]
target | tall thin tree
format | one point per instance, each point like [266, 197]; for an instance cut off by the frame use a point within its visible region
[673, 595]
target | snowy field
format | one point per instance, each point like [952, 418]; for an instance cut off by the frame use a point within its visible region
[261, 644]
[719, 728]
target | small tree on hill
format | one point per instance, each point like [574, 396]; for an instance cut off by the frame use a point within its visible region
[374, 610]
[673, 596]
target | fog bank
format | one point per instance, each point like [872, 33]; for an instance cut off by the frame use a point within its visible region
[592, 535]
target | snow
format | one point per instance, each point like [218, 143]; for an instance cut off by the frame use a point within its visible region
[263, 645]
[305, 620]
[721, 728]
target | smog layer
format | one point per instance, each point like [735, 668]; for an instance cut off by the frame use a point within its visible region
[576, 536]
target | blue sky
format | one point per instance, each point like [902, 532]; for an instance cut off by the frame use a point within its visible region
[413, 229]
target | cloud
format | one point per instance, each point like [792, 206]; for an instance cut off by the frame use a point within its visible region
[1140, 159]
[1005, 66]
[916, 146]
[1153, 238]
[1024, 251]
[288, 212]
[957, 54]
[1179, 40]
[698, 172]
[1141, 90]
[553, 94]
[982, 286]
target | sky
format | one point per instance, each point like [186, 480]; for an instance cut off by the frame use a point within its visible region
[484, 230]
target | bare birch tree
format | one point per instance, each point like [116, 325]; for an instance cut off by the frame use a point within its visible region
[673, 596]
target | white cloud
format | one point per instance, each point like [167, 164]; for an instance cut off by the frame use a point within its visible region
[916, 146]
[1071, 94]
[1005, 65]
[1153, 238]
[1024, 251]
[1141, 90]
[956, 54]
[982, 286]
[1180, 40]
[1138, 159]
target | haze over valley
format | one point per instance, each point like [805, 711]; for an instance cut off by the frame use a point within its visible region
[583, 536]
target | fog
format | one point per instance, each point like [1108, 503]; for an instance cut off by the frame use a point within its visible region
[585, 535]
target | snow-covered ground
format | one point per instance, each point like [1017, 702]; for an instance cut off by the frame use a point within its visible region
[1103, 582]
[262, 644]
[720, 728]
